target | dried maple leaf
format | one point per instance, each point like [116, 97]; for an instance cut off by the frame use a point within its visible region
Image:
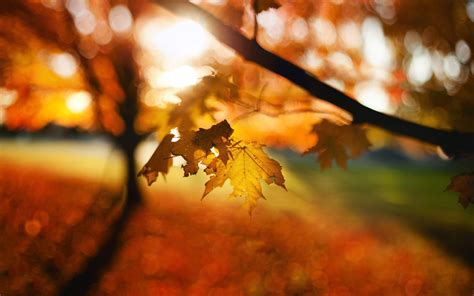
[338, 143]
[217, 136]
[194, 146]
[159, 162]
[464, 185]
[248, 165]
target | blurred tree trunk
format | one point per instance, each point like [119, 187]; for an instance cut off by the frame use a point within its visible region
[127, 143]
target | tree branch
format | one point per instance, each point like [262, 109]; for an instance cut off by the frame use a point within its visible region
[452, 142]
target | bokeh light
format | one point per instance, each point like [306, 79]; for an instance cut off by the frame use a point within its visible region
[324, 31]
[78, 102]
[63, 64]
[349, 33]
[377, 49]
[120, 19]
[420, 68]
[273, 24]
[85, 22]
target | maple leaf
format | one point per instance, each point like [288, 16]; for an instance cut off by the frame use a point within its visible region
[338, 143]
[464, 185]
[194, 146]
[159, 162]
[248, 165]
[217, 136]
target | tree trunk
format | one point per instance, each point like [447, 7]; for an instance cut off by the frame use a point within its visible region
[85, 280]
[127, 142]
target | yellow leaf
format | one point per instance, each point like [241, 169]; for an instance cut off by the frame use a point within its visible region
[247, 166]
[159, 162]
[338, 143]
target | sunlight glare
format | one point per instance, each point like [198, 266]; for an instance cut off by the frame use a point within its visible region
[160, 99]
[178, 161]
[79, 101]
[175, 132]
[376, 48]
[180, 77]
[373, 95]
[178, 42]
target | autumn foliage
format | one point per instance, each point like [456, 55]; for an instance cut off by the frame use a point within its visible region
[132, 71]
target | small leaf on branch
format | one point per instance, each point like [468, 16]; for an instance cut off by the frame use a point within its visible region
[338, 143]
[249, 164]
[159, 162]
[464, 185]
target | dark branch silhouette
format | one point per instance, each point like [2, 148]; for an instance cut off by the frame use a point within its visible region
[452, 142]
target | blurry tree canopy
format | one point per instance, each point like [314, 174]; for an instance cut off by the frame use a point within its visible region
[130, 68]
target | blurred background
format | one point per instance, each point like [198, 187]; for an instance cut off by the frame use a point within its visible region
[69, 70]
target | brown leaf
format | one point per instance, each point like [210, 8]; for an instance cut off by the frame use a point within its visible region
[217, 136]
[159, 162]
[195, 146]
[464, 185]
[338, 143]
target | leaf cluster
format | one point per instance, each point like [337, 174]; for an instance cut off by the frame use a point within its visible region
[245, 164]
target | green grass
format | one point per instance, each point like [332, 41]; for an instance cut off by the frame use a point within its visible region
[412, 192]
